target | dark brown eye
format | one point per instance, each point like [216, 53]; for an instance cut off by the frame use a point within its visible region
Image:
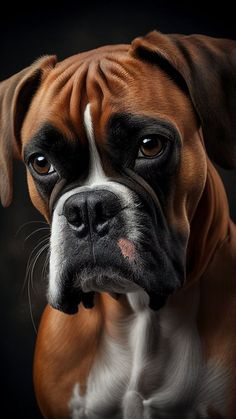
[152, 146]
[41, 165]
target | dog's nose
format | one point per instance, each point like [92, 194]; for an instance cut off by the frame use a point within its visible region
[90, 211]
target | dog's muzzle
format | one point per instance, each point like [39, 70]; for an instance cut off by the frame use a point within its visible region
[89, 214]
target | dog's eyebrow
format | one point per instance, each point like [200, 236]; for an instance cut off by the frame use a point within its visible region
[127, 123]
[49, 140]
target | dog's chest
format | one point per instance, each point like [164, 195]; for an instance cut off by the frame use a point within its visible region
[154, 368]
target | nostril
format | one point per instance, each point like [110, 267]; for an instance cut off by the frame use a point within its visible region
[73, 215]
[75, 218]
[104, 212]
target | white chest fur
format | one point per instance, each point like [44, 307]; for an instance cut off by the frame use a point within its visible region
[154, 370]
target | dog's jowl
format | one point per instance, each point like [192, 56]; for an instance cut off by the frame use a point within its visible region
[117, 144]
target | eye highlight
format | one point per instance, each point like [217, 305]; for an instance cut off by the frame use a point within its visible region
[41, 165]
[152, 146]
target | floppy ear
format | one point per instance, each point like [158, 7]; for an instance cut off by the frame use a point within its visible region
[15, 96]
[208, 67]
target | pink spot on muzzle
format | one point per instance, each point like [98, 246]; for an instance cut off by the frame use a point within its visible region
[127, 249]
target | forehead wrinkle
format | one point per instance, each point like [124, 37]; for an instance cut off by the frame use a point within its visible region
[118, 66]
[116, 73]
[59, 75]
[56, 83]
[107, 78]
[78, 99]
[104, 68]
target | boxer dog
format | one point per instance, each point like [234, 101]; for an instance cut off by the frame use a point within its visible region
[117, 142]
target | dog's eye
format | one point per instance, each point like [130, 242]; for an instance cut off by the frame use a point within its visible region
[41, 165]
[152, 145]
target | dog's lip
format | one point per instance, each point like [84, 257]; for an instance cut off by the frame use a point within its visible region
[87, 299]
[65, 307]
[69, 304]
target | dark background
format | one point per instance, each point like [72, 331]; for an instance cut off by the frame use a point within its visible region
[27, 32]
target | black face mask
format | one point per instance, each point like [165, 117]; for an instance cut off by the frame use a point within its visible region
[136, 183]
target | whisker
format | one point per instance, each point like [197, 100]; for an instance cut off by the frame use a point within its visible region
[29, 223]
[45, 265]
[31, 259]
[36, 231]
[36, 258]
[30, 308]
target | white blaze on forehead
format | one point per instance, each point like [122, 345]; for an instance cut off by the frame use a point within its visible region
[96, 173]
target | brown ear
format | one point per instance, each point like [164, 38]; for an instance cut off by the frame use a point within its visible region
[208, 67]
[15, 96]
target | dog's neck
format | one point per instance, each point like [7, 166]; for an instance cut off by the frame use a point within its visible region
[209, 227]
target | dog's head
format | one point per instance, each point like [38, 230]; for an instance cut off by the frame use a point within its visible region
[113, 144]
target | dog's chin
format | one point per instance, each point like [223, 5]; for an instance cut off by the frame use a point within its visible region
[107, 280]
[96, 280]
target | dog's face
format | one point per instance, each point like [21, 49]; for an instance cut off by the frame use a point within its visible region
[111, 232]
[116, 162]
